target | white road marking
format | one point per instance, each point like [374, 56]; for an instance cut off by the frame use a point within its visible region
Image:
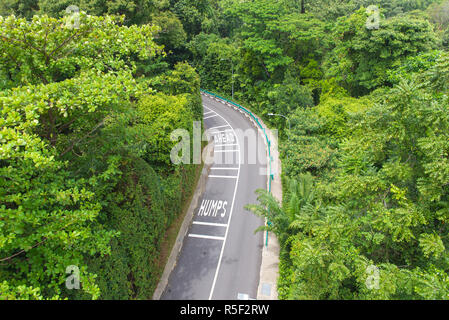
[217, 127]
[215, 115]
[219, 151]
[223, 177]
[226, 145]
[210, 224]
[230, 215]
[211, 208]
[222, 131]
[224, 138]
[192, 235]
[208, 112]
[243, 296]
[223, 168]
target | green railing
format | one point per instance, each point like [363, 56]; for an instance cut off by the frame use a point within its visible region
[264, 132]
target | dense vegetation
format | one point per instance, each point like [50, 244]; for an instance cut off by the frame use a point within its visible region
[85, 177]
[366, 183]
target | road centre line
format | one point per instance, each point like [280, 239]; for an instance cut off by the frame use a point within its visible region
[192, 235]
[230, 216]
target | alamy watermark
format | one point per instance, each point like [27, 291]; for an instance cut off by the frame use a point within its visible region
[73, 20]
[372, 281]
[73, 280]
[373, 20]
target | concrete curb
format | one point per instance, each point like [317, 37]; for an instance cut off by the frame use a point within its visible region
[269, 269]
[173, 258]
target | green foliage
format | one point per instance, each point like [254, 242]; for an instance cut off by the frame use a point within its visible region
[21, 8]
[195, 15]
[84, 174]
[260, 37]
[50, 51]
[306, 149]
[332, 9]
[413, 65]
[362, 56]
[215, 59]
[161, 115]
[379, 209]
[336, 113]
[136, 11]
[19, 293]
[171, 34]
[49, 214]
[439, 14]
[289, 96]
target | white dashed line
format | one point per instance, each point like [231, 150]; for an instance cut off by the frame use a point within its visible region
[215, 115]
[222, 131]
[218, 127]
[210, 224]
[206, 237]
[226, 145]
[224, 151]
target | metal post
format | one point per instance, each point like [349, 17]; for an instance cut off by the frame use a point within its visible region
[266, 241]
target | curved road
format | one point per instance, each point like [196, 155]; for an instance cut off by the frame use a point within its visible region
[221, 256]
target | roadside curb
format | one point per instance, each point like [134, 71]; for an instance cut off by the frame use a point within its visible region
[269, 269]
[173, 258]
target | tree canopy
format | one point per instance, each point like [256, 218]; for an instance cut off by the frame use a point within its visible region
[77, 125]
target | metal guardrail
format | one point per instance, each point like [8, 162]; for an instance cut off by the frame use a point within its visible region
[260, 126]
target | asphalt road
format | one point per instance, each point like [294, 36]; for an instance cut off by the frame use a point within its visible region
[221, 256]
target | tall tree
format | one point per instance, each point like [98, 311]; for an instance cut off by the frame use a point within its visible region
[362, 56]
